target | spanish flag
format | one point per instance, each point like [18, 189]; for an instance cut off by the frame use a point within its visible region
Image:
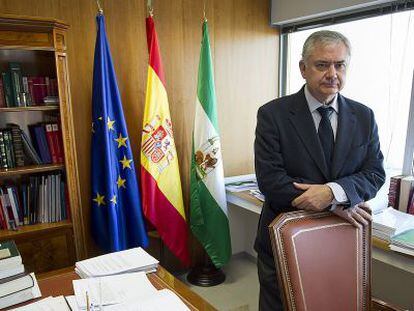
[162, 198]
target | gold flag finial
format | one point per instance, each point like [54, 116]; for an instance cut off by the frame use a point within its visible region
[100, 10]
[204, 11]
[150, 9]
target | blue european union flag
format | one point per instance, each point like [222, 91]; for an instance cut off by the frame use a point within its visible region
[117, 221]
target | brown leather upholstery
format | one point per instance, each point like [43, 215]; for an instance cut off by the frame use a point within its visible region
[323, 262]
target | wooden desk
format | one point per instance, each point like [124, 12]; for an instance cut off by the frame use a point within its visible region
[59, 282]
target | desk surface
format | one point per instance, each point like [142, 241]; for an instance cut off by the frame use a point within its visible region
[59, 282]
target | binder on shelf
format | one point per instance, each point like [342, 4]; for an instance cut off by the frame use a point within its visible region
[30, 151]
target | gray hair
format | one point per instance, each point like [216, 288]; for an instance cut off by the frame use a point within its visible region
[324, 37]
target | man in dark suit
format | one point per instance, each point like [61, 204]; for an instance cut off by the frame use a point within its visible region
[314, 150]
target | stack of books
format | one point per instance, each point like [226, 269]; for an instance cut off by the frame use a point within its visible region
[16, 285]
[131, 260]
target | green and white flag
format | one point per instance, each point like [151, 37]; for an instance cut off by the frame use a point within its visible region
[208, 210]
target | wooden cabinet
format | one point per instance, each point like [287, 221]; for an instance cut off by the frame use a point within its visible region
[39, 46]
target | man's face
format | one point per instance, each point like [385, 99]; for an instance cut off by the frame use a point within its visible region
[325, 70]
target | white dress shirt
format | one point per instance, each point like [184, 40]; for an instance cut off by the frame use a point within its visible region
[313, 104]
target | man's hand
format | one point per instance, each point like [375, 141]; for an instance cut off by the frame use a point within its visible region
[315, 197]
[359, 215]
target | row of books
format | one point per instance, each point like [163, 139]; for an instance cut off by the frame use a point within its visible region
[43, 199]
[44, 146]
[17, 90]
[16, 285]
[401, 193]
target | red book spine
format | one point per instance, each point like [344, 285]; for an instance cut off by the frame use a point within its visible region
[3, 223]
[56, 141]
[2, 99]
[51, 143]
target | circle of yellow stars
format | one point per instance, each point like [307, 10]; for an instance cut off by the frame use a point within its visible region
[126, 163]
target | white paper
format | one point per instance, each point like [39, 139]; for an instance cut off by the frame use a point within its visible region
[47, 304]
[135, 259]
[160, 301]
[113, 289]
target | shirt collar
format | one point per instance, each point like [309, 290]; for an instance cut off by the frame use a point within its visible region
[314, 104]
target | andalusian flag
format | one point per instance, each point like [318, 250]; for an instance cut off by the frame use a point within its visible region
[208, 216]
[162, 198]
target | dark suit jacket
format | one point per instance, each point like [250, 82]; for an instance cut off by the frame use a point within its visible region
[287, 150]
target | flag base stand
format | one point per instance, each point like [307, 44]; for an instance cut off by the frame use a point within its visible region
[206, 276]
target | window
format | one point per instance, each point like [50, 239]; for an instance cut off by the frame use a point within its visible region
[380, 75]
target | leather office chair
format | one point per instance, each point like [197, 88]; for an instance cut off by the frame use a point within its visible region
[323, 262]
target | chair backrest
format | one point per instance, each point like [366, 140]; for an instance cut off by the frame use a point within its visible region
[323, 262]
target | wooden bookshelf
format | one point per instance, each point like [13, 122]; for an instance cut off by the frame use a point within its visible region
[32, 108]
[39, 46]
[31, 169]
[24, 231]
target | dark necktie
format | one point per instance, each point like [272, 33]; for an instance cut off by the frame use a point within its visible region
[325, 133]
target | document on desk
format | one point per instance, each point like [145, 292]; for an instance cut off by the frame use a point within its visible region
[160, 301]
[131, 260]
[47, 304]
[113, 289]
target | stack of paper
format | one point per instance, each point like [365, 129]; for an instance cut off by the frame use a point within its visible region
[47, 304]
[244, 185]
[131, 260]
[391, 222]
[130, 291]
[113, 289]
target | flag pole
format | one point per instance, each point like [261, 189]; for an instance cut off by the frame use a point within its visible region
[206, 274]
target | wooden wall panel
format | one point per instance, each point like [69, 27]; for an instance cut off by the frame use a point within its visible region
[245, 52]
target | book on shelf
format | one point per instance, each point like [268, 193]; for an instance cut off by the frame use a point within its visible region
[2, 99]
[16, 83]
[38, 135]
[394, 191]
[7, 89]
[27, 99]
[19, 289]
[8, 143]
[17, 144]
[10, 217]
[31, 155]
[407, 184]
[3, 155]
